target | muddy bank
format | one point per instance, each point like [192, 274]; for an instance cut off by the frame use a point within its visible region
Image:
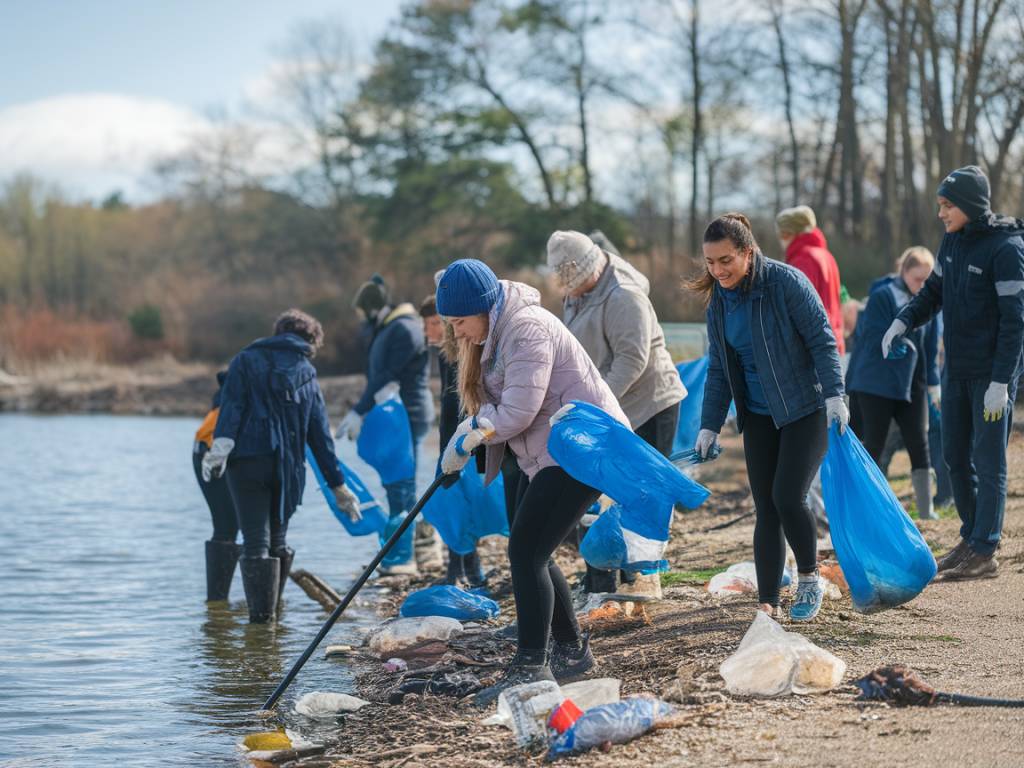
[961, 637]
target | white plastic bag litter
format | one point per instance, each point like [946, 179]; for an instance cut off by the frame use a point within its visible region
[324, 705]
[397, 634]
[772, 662]
[593, 693]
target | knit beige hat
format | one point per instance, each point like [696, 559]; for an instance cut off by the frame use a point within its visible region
[574, 257]
[793, 221]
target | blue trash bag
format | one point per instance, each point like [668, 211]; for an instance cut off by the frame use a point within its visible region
[600, 452]
[618, 723]
[694, 374]
[468, 511]
[446, 600]
[402, 552]
[385, 441]
[629, 541]
[883, 555]
[374, 518]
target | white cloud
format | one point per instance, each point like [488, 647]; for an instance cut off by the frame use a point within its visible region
[92, 143]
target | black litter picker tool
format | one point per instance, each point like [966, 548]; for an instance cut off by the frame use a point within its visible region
[902, 687]
[442, 480]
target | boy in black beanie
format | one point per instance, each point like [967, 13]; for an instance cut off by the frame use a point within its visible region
[978, 283]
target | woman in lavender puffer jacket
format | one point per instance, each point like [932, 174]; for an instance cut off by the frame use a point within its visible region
[518, 366]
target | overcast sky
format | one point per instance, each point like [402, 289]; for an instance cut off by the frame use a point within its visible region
[93, 91]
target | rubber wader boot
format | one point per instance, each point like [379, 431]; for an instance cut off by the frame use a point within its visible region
[286, 555]
[921, 479]
[221, 558]
[474, 572]
[260, 577]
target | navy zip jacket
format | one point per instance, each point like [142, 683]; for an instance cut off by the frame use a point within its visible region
[794, 349]
[978, 283]
[868, 371]
[271, 404]
[398, 352]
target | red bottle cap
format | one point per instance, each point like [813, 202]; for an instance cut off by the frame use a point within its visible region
[564, 715]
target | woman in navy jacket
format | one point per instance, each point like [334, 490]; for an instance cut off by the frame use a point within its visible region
[771, 351]
[271, 407]
[896, 388]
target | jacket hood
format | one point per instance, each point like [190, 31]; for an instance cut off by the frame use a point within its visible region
[813, 239]
[994, 222]
[619, 272]
[285, 342]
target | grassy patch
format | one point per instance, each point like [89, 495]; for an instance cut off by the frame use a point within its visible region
[699, 577]
[937, 639]
[947, 512]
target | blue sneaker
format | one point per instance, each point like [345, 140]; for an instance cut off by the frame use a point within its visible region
[807, 602]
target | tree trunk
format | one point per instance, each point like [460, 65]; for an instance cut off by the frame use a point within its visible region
[696, 136]
[794, 158]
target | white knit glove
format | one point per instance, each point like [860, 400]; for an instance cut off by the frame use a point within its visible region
[461, 446]
[706, 441]
[996, 400]
[836, 410]
[386, 392]
[897, 329]
[347, 502]
[350, 426]
[216, 459]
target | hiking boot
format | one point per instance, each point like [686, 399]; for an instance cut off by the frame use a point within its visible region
[952, 558]
[221, 559]
[473, 571]
[260, 576]
[599, 581]
[571, 660]
[807, 601]
[973, 566]
[287, 556]
[525, 667]
[646, 586]
[427, 547]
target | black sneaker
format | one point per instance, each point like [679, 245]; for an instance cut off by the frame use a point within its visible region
[954, 556]
[974, 566]
[570, 661]
[517, 674]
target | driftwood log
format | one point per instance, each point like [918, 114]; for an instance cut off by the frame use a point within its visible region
[317, 588]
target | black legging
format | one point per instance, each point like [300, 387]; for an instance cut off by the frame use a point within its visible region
[218, 499]
[659, 431]
[781, 463]
[875, 414]
[549, 508]
[256, 491]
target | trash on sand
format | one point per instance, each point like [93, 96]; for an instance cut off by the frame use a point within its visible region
[338, 650]
[593, 693]
[267, 741]
[629, 538]
[448, 600]
[563, 717]
[832, 572]
[457, 684]
[327, 705]
[400, 635]
[526, 708]
[613, 615]
[395, 665]
[614, 723]
[741, 578]
[901, 686]
[772, 662]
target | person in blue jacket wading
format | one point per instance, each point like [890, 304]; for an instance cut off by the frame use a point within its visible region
[771, 349]
[271, 406]
[978, 283]
[883, 390]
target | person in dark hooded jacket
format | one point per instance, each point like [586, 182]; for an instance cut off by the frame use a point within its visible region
[978, 283]
[271, 408]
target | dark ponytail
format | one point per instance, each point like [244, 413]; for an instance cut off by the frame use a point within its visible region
[734, 227]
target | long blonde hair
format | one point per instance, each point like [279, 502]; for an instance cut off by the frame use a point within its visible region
[466, 355]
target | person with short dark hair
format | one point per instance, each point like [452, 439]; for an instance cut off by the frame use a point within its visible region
[271, 408]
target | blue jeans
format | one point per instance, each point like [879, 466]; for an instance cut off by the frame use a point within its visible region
[401, 498]
[975, 452]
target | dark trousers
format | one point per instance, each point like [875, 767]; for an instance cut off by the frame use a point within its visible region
[975, 452]
[875, 414]
[218, 499]
[781, 463]
[549, 508]
[256, 490]
[943, 485]
[401, 497]
[659, 431]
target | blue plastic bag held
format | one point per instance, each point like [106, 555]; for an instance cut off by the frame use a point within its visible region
[468, 511]
[618, 722]
[694, 374]
[610, 542]
[385, 441]
[446, 600]
[402, 551]
[374, 518]
[884, 557]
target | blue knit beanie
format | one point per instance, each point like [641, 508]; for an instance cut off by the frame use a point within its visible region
[967, 188]
[467, 287]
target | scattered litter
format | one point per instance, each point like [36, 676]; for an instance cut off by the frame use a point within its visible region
[615, 723]
[614, 615]
[527, 707]
[267, 741]
[327, 705]
[773, 662]
[338, 650]
[395, 665]
[901, 686]
[400, 635]
[282, 756]
[832, 572]
[448, 600]
[741, 578]
[457, 684]
[593, 693]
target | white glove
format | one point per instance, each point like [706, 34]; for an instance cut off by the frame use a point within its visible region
[386, 392]
[996, 400]
[347, 502]
[457, 454]
[897, 329]
[350, 426]
[216, 459]
[836, 410]
[560, 414]
[706, 441]
[935, 393]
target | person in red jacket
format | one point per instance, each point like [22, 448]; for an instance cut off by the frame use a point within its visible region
[807, 250]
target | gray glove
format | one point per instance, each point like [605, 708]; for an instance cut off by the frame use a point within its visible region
[836, 410]
[706, 441]
[897, 329]
[350, 426]
[347, 502]
[216, 459]
[996, 399]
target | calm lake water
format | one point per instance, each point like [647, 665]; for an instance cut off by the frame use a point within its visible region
[108, 652]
